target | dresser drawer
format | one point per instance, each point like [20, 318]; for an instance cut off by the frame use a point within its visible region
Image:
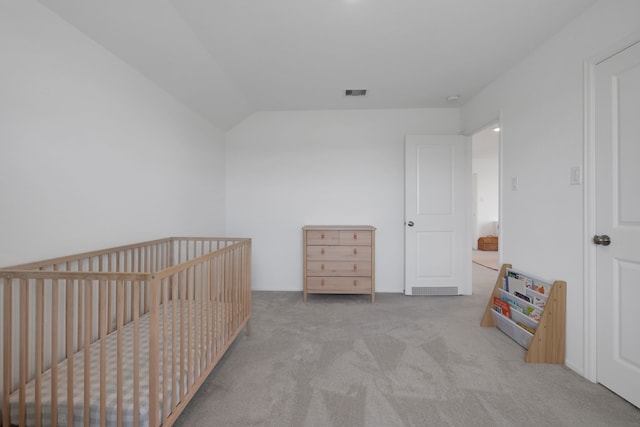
[323, 237]
[337, 285]
[338, 268]
[339, 253]
[355, 237]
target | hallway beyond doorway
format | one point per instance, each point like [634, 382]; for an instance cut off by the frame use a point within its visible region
[487, 259]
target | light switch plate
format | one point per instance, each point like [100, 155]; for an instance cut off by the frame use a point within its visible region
[576, 176]
[514, 183]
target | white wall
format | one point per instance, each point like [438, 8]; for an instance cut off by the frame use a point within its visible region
[540, 104]
[91, 153]
[289, 169]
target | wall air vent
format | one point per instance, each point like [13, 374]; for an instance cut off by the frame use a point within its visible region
[434, 290]
[355, 92]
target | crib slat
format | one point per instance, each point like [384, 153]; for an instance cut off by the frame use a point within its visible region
[234, 305]
[174, 374]
[143, 267]
[201, 308]
[131, 298]
[247, 283]
[225, 299]
[147, 258]
[159, 256]
[207, 303]
[222, 303]
[88, 327]
[183, 311]
[190, 274]
[234, 291]
[80, 291]
[109, 296]
[55, 295]
[6, 345]
[69, 345]
[165, 347]
[212, 304]
[194, 317]
[119, 323]
[236, 296]
[136, 352]
[102, 326]
[154, 348]
[39, 349]
[238, 290]
[24, 347]
[164, 256]
[215, 305]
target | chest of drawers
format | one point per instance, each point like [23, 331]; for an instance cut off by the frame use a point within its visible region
[339, 259]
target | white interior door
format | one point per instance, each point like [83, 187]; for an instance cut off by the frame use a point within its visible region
[617, 136]
[437, 224]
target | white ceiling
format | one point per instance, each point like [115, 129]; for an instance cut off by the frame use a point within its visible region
[228, 58]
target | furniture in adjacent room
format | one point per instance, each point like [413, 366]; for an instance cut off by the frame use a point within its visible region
[488, 243]
[339, 259]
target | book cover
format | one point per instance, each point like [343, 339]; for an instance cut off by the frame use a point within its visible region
[502, 307]
[517, 286]
[535, 314]
[522, 296]
[513, 302]
[520, 279]
[541, 287]
[539, 302]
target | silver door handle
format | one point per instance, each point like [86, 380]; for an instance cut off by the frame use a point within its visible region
[603, 240]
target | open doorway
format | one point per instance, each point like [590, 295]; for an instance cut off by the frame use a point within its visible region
[485, 165]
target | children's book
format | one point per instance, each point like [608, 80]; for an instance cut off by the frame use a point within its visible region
[502, 307]
[516, 280]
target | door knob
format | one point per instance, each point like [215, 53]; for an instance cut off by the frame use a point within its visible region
[410, 223]
[603, 240]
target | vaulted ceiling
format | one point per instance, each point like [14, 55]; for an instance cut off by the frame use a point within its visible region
[228, 58]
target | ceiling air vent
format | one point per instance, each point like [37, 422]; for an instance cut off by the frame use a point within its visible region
[355, 92]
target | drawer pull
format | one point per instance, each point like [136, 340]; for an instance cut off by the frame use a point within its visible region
[322, 236]
[322, 267]
[355, 251]
[322, 251]
[355, 236]
[355, 283]
[355, 267]
[322, 282]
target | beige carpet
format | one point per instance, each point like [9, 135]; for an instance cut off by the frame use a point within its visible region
[487, 259]
[340, 361]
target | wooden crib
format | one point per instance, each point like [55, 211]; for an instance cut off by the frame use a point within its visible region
[122, 336]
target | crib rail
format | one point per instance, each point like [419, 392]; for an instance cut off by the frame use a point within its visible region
[58, 316]
[151, 256]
